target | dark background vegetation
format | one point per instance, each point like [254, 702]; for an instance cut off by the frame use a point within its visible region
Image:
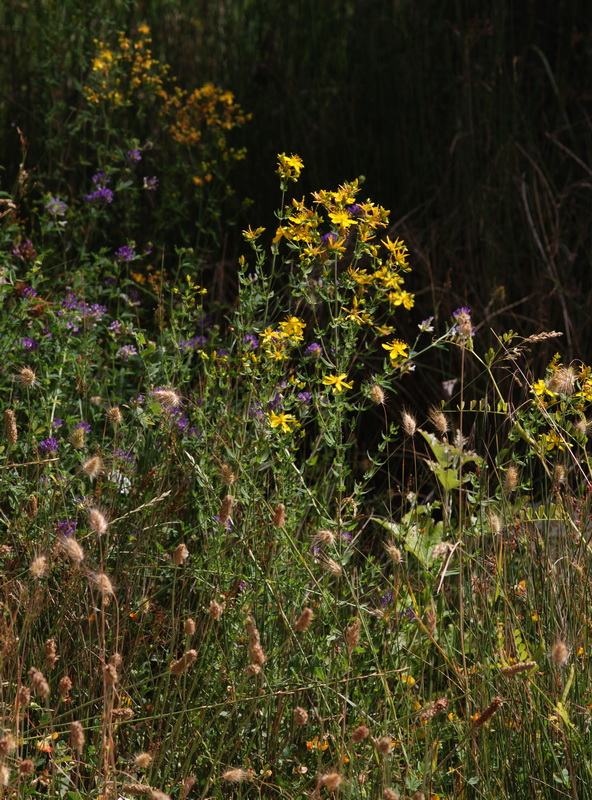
[470, 122]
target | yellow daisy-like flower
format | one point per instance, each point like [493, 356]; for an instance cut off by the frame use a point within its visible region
[396, 349]
[251, 234]
[289, 167]
[282, 421]
[293, 328]
[338, 382]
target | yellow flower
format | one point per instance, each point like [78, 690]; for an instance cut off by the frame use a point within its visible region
[402, 298]
[341, 218]
[282, 420]
[397, 349]
[289, 167]
[250, 234]
[408, 679]
[337, 382]
[293, 328]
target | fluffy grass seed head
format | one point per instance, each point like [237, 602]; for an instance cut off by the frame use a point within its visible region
[408, 422]
[4, 775]
[377, 394]
[10, 427]
[394, 553]
[143, 760]
[562, 381]
[77, 737]
[38, 567]
[324, 538]
[51, 653]
[332, 567]
[511, 479]
[227, 475]
[72, 549]
[39, 684]
[488, 713]
[26, 377]
[189, 627]
[93, 467]
[384, 745]
[65, 686]
[360, 733]
[7, 745]
[183, 664]
[114, 415]
[300, 716]
[331, 780]
[78, 438]
[279, 516]
[390, 794]
[26, 767]
[438, 420]
[188, 784]
[226, 509]
[352, 635]
[304, 620]
[215, 610]
[180, 555]
[23, 697]
[104, 585]
[236, 775]
[32, 507]
[560, 653]
[167, 398]
[97, 521]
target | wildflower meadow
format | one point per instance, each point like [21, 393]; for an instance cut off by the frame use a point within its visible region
[245, 551]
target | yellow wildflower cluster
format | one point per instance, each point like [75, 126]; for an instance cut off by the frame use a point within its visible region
[289, 167]
[208, 108]
[275, 341]
[118, 74]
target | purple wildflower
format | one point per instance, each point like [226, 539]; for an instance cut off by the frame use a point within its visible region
[66, 527]
[151, 184]
[133, 156]
[255, 412]
[25, 251]
[304, 398]
[101, 196]
[387, 598]
[192, 344]
[49, 446]
[276, 402]
[56, 207]
[126, 351]
[463, 310]
[125, 253]
[83, 426]
[100, 179]
[227, 524]
[125, 455]
[29, 292]
[327, 238]
[57, 422]
[29, 344]
[252, 342]
[355, 209]
[314, 350]
[116, 326]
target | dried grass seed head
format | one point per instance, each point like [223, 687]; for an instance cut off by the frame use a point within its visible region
[408, 422]
[114, 415]
[227, 475]
[26, 767]
[377, 394]
[352, 635]
[7, 745]
[560, 653]
[324, 538]
[104, 584]
[562, 381]
[72, 549]
[183, 664]
[332, 567]
[93, 467]
[438, 419]
[78, 438]
[215, 610]
[97, 521]
[143, 760]
[26, 377]
[110, 674]
[304, 620]
[167, 398]
[390, 794]
[189, 627]
[236, 775]
[180, 555]
[51, 653]
[279, 516]
[331, 780]
[65, 686]
[384, 745]
[38, 567]
[511, 479]
[300, 716]
[77, 737]
[10, 427]
[226, 509]
[39, 684]
[360, 733]
[394, 553]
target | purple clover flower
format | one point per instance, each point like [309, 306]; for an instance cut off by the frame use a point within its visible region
[192, 344]
[328, 238]
[463, 310]
[49, 446]
[313, 350]
[101, 196]
[133, 156]
[227, 524]
[101, 179]
[125, 253]
[151, 184]
[83, 426]
[116, 326]
[355, 209]
[126, 352]
[255, 412]
[56, 207]
[25, 251]
[252, 342]
[125, 455]
[304, 398]
[66, 527]
[57, 422]
[29, 344]
[29, 292]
